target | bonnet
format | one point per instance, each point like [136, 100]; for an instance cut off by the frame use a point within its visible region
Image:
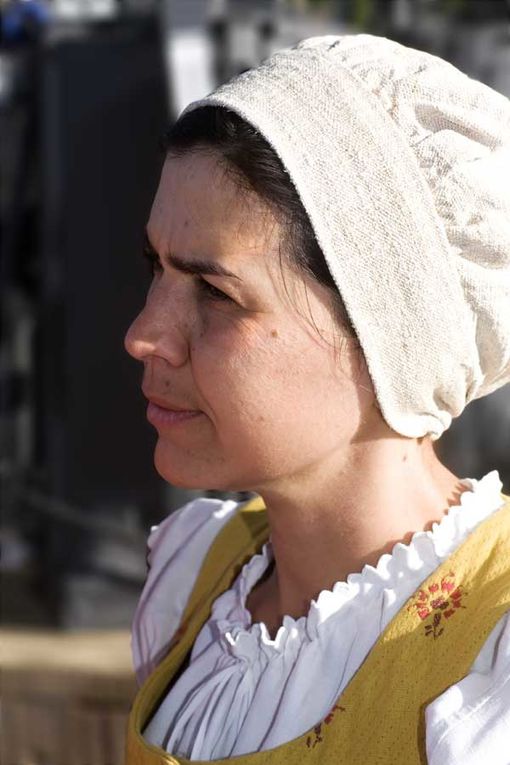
[402, 163]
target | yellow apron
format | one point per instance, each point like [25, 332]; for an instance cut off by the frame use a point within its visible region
[379, 718]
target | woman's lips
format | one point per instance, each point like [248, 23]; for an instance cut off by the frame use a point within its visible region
[161, 417]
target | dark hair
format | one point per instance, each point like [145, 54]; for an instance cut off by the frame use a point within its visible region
[256, 167]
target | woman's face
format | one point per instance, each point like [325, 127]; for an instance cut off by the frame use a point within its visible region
[271, 396]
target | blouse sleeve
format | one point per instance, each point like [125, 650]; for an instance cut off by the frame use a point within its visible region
[470, 722]
[175, 551]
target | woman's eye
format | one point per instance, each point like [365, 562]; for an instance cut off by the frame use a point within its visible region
[207, 289]
[212, 292]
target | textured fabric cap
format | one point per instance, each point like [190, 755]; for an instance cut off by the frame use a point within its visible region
[402, 163]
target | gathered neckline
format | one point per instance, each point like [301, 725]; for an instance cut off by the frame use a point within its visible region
[243, 638]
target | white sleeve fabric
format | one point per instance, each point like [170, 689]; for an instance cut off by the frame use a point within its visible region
[176, 549]
[470, 722]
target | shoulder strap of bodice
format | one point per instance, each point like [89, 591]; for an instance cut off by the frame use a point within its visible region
[242, 536]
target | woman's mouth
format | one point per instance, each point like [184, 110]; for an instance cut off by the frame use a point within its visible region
[162, 417]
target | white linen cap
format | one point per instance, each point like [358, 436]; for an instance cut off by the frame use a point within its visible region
[402, 163]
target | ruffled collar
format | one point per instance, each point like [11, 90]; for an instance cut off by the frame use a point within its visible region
[398, 572]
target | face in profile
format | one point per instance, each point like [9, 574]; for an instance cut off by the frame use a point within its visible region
[241, 347]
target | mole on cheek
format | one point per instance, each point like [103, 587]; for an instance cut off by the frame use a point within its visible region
[274, 333]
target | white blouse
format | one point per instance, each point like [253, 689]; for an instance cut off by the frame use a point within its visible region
[243, 691]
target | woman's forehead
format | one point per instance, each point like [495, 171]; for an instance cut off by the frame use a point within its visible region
[201, 181]
[200, 208]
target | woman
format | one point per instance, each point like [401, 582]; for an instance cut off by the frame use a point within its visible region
[329, 243]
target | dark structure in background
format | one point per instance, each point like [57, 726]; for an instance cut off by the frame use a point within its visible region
[102, 105]
[76, 450]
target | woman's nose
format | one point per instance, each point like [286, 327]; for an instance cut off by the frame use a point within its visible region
[156, 332]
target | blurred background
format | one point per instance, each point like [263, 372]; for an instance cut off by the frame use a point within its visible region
[87, 87]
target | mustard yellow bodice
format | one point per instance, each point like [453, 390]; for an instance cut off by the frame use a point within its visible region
[379, 718]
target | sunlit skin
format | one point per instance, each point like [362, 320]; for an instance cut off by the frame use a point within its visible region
[287, 407]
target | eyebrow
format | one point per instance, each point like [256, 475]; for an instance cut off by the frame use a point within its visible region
[196, 266]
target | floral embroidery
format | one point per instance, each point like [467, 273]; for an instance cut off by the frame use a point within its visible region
[311, 742]
[437, 602]
[331, 714]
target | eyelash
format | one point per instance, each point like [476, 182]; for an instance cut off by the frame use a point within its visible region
[206, 288]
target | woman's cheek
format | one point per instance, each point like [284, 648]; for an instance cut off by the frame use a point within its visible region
[232, 337]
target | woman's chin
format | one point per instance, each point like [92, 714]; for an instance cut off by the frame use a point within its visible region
[178, 472]
[183, 469]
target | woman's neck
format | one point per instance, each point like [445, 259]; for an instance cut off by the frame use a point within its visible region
[331, 522]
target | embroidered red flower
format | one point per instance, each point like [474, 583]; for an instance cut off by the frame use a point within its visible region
[313, 741]
[331, 714]
[437, 601]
